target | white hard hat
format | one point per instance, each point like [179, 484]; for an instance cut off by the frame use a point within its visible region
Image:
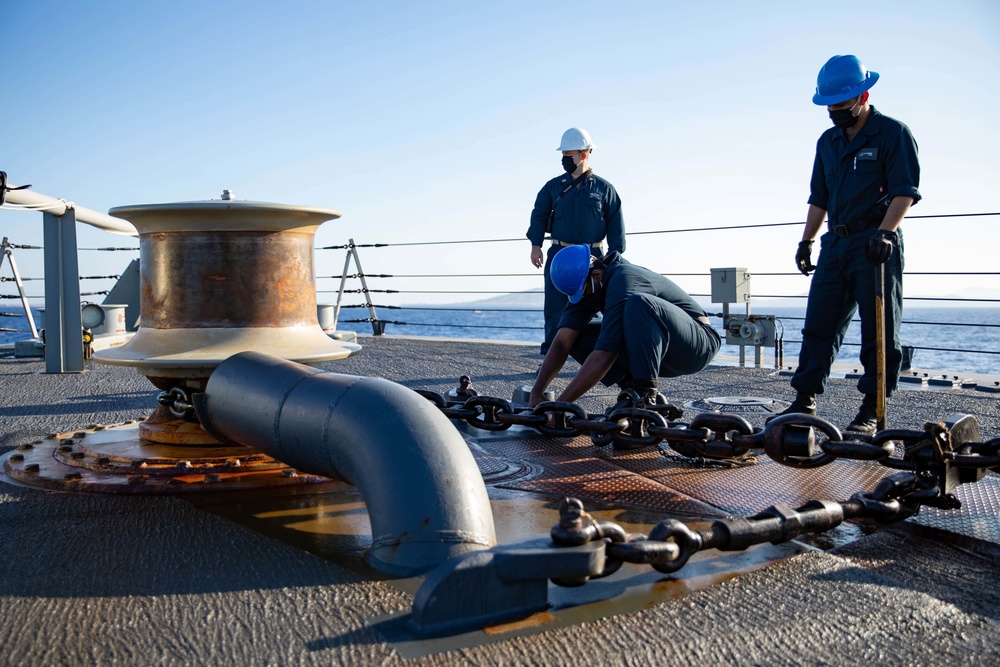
[575, 139]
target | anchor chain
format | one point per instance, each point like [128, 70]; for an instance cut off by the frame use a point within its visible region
[710, 435]
[794, 440]
[671, 543]
[513, 581]
[932, 463]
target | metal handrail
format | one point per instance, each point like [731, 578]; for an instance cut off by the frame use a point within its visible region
[35, 201]
[57, 206]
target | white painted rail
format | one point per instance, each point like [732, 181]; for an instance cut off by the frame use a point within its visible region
[38, 201]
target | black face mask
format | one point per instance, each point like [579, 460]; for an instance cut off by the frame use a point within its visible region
[568, 164]
[593, 299]
[845, 118]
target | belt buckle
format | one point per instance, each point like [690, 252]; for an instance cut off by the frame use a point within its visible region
[841, 231]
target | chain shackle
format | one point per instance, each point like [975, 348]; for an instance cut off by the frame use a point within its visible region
[791, 440]
[488, 410]
[177, 401]
[465, 387]
[645, 552]
[719, 441]
[560, 415]
[577, 527]
[636, 431]
[687, 541]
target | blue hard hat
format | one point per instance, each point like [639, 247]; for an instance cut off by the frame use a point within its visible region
[840, 79]
[569, 271]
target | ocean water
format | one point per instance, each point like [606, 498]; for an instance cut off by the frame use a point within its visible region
[953, 339]
[964, 340]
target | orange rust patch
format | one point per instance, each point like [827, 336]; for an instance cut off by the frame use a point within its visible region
[533, 621]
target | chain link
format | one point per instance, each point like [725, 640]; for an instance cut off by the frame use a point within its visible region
[178, 402]
[795, 440]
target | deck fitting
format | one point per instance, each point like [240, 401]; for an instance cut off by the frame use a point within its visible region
[738, 405]
[116, 460]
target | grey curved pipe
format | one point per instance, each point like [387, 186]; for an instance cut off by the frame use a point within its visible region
[426, 498]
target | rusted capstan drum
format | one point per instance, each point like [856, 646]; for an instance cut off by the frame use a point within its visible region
[218, 278]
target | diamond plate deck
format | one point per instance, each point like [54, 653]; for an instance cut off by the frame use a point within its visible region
[980, 514]
[657, 478]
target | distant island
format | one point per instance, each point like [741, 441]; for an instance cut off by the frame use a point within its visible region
[533, 298]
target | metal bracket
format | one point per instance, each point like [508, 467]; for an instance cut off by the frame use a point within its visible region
[943, 444]
[378, 326]
[63, 320]
[499, 584]
[8, 252]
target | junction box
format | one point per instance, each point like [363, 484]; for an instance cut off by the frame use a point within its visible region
[732, 285]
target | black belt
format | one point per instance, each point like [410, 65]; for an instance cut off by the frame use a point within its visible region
[599, 244]
[854, 227]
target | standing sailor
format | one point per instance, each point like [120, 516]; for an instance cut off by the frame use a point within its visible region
[575, 208]
[864, 178]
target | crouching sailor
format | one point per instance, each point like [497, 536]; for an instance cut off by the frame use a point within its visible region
[650, 328]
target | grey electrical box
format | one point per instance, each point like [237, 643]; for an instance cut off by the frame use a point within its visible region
[751, 330]
[731, 285]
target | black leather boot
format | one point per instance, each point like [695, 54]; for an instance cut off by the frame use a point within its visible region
[866, 420]
[804, 404]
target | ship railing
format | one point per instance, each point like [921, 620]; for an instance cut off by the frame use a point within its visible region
[63, 318]
[62, 277]
[411, 285]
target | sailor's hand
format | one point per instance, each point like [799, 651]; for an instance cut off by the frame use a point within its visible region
[803, 257]
[536, 256]
[537, 396]
[878, 250]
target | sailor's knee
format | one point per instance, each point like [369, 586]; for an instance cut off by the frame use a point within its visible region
[639, 305]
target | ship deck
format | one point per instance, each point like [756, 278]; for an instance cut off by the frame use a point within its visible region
[277, 576]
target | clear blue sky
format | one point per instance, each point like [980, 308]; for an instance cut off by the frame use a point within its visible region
[439, 120]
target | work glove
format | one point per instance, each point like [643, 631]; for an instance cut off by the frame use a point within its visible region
[802, 257]
[878, 250]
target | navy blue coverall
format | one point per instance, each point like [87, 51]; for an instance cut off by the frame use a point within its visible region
[854, 182]
[587, 214]
[656, 328]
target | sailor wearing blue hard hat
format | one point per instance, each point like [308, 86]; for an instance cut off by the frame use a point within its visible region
[577, 207]
[668, 333]
[864, 180]
[570, 272]
[842, 78]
